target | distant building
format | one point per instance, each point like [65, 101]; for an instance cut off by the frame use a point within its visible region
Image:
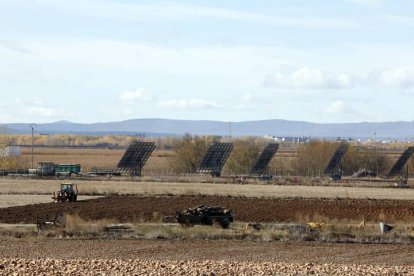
[288, 139]
[11, 151]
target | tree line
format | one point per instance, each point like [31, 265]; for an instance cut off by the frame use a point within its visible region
[310, 159]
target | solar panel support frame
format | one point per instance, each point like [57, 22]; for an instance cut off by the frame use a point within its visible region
[262, 162]
[135, 157]
[334, 167]
[215, 158]
[398, 168]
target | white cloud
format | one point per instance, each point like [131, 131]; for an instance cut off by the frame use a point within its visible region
[37, 108]
[348, 111]
[250, 100]
[47, 112]
[138, 95]
[311, 78]
[398, 77]
[336, 107]
[14, 46]
[188, 104]
[30, 101]
[68, 57]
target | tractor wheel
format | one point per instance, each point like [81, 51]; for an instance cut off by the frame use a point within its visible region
[207, 220]
[225, 224]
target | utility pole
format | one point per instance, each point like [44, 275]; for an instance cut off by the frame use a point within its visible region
[32, 143]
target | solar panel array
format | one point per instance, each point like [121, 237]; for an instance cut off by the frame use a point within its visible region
[135, 157]
[215, 158]
[399, 165]
[262, 162]
[334, 165]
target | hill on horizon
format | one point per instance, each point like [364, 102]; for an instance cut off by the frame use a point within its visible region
[276, 127]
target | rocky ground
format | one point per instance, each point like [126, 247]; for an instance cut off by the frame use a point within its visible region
[195, 267]
[189, 257]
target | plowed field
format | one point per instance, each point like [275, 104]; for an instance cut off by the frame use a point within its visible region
[295, 252]
[136, 208]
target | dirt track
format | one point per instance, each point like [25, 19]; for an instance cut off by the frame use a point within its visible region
[136, 209]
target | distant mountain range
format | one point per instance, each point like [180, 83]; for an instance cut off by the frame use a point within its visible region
[279, 128]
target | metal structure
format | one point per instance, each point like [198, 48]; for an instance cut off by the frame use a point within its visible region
[215, 158]
[260, 166]
[52, 169]
[67, 169]
[398, 168]
[59, 221]
[135, 158]
[104, 171]
[334, 168]
[45, 169]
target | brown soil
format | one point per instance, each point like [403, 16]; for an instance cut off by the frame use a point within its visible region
[136, 208]
[228, 251]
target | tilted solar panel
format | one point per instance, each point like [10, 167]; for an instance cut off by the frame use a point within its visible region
[215, 158]
[335, 163]
[399, 165]
[135, 157]
[262, 162]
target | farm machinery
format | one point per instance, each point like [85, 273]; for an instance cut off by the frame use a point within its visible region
[67, 192]
[59, 221]
[205, 215]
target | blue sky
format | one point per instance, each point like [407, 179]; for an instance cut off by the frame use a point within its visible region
[99, 61]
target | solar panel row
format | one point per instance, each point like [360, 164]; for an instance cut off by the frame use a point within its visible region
[215, 158]
[334, 165]
[399, 165]
[217, 154]
[260, 166]
[135, 157]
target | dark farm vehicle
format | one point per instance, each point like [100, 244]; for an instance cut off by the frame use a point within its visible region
[67, 192]
[59, 221]
[205, 215]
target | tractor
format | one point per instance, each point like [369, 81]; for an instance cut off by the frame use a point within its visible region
[67, 192]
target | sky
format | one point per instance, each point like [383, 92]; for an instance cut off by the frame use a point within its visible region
[102, 61]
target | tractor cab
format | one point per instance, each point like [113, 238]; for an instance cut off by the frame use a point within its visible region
[68, 187]
[67, 192]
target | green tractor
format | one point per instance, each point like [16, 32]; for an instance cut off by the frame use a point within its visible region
[67, 192]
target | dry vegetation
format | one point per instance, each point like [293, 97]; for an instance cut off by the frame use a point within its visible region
[158, 163]
[332, 231]
[20, 200]
[178, 156]
[329, 231]
[29, 186]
